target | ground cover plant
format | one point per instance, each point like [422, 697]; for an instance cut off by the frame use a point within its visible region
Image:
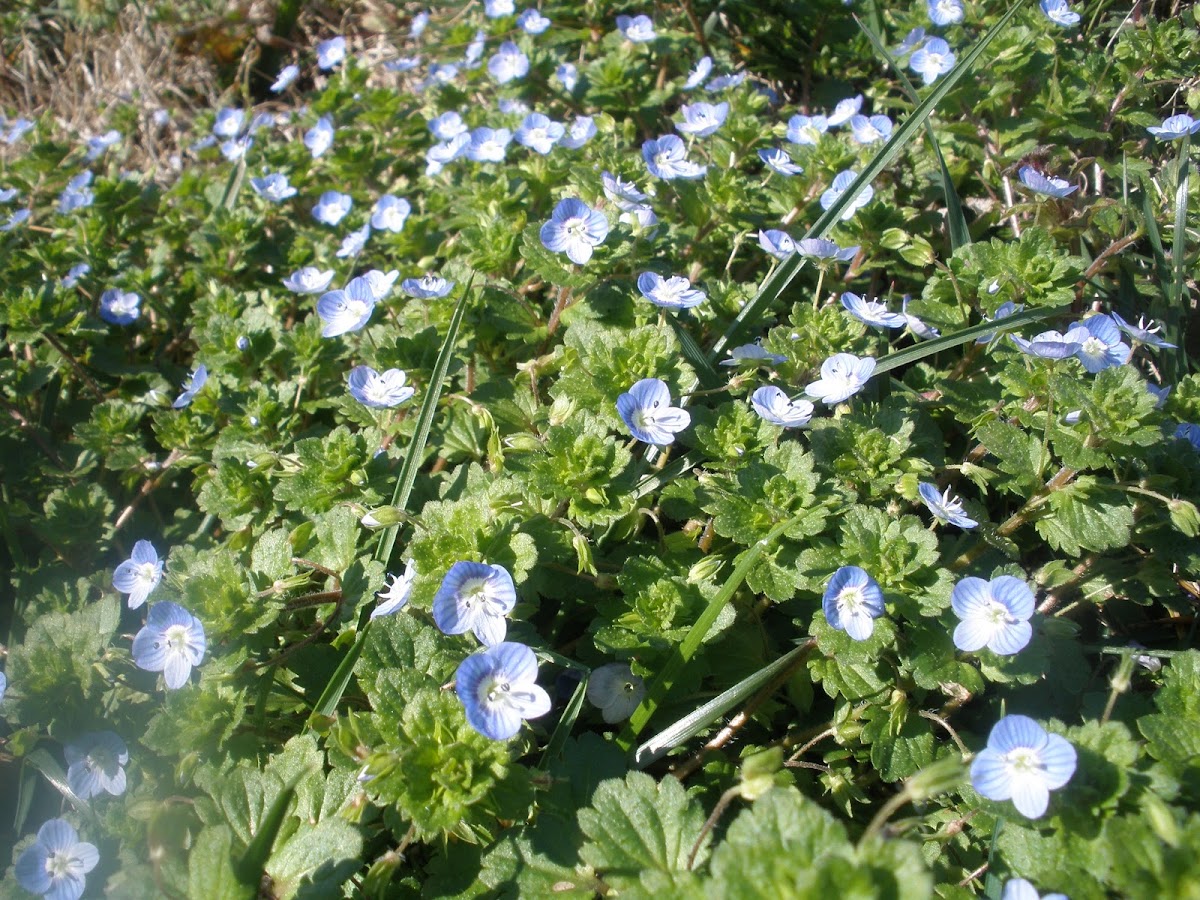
[738, 450]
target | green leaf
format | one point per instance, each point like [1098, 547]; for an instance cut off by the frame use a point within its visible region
[210, 867]
[1086, 515]
[1173, 733]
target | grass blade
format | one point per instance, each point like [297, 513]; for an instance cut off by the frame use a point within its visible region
[777, 281]
[566, 724]
[1176, 322]
[250, 867]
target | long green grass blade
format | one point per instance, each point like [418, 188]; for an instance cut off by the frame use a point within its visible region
[668, 473]
[662, 684]
[566, 724]
[777, 281]
[53, 772]
[695, 722]
[250, 867]
[1177, 318]
[917, 352]
[956, 220]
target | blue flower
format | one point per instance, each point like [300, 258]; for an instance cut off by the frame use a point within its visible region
[3, 685]
[283, 81]
[721, 82]
[615, 690]
[666, 158]
[842, 376]
[172, 642]
[845, 110]
[17, 129]
[77, 194]
[448, 125]
[497, 9]
[390, 213]
[532, 22]
[1006, 309]
[1146, 332]
[273, 187]
[853, 601]
[821, 249]
[475, 597]
[228, 122]
[995, 614]
[916, 326]
[945, 507]
[417, 26]
[330, 53]
[1175, 127]
[624, 194]
[647, 412]
[779, 161]
[397, 593]
[1186, 431]
[489, 144]
[911, 42]
[806, 129]
[8, 195]
[379, 390]
[539, 133]
[94, 764]
[1160, 394]
[574, 229]
[73, 275]
[945, 12]
[1048, 185]
[702, 119]
[1023, 763]
[1058, 12]
[511, 106]
[752, 355]
[568, 76]
[638, 29]
[508, 63]
[15, 219]
[55, 864]
[332, 207]
[1102, 347]
[346, 310]
[353, 243]
[582, 130]
[872, 312]
[119, 307]
[1053, 344]
[869, 130]
[498, 689]
[933, 59]
[1019, 888]
[777, 408]
[778, 243]
[699, 72]
[319, 138]
[438, 155]
[97, 145]
[841, 184]
[675, 292]
[191, 387]
[308, 280]
[427, 287]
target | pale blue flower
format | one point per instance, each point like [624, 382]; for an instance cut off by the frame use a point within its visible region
[945, 12]
[842, 376]
[97, 145]
[330, 53]
[568, 76]
[348, 310]
[379, 390]
[235, 149]
[822, 249]
[666, 158]
[945, 506]
[17, 129]
[498, 689]
[871, 312]
[354, 242]
[395, 596]
[417, 26]
[94, 764]
[911, 42]
[779, 161]
[1024, 763]
[508, 63]
[1102, 348]
[616, 691]
[1006, 309]
[73, 275]
[332, 207]
[853, 601]
[1053, 344]
[1145, 331]
[1019, 888]
[582, 130]
[699, 72]
[1175, 127]
[918, 328]
[1048, 185]
[806, 130]
[868, 130]
[77, 194]
[119, 307]
[308, 280]
[390, 213]
[474, 53]
[702, 119]
[489, 144]
[845, 110]
[637, 29]
[624, 194]
[722, 82]
[319, 138]
[191, 387]
[675, 292]
[403, 63]
[3, 685]
[139, 575]
[512, 106]
[841, 184]
[497, 9]
[994, 614]
[574, 229]
[375, 283]
[448, 125]
[1186, 431]
[777, 408]
[427, 287]
[15, 219]
[228, 122]
[172, 642]
[1058, 12]
[933, 59]
[539, 133]
[475, 597]
[438, 155]
[286, 76]
[8, 195]
[532, 22]
[1160, 394]
[647, 412]
[752, 355]
[778, 243]
[55, 864]
[273, 187]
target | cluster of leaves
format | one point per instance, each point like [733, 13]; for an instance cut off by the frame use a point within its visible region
[316, 751]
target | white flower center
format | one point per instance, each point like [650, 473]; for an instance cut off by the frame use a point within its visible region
[1094, 345]
[997, 614]
[146, 573]
[850, 599]
[177, 638]
[1023, 761]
